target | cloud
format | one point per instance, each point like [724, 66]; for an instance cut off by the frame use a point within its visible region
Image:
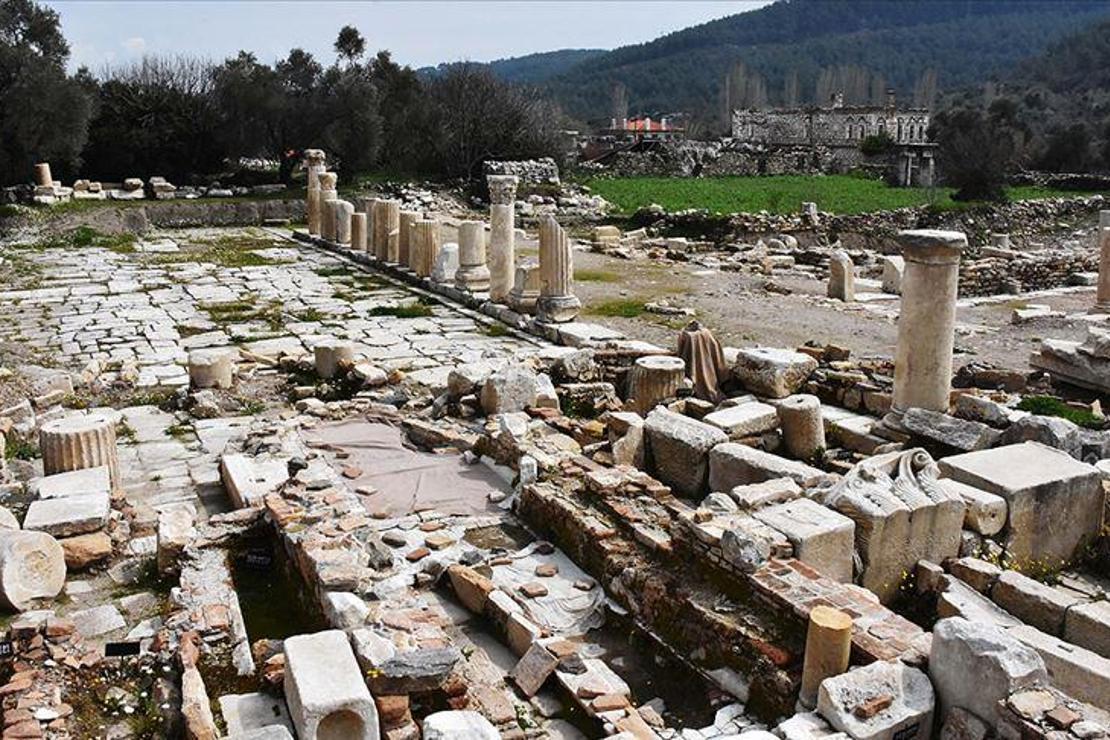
[134, 45]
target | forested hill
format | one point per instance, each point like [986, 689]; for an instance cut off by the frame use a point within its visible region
[965, 41]
[531, 68]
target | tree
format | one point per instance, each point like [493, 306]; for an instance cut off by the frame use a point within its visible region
[354, 127]
[350, 45]
[976, 151]
[43, 113]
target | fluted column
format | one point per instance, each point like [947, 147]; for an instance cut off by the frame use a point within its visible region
[424, 246]
[80, 442]
[557, 302]
[526, 287]
[370, 208]
[502, 214]
[387, 227]
[1102, 297]
[473, 273]
[653, 379]
[404, 237]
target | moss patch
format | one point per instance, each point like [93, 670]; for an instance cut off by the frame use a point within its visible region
[1049, 406]
[596, 276]
[627, 308]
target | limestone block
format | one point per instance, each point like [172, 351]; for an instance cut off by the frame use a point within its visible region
[747, 543]
[732, 465]
[245, 713]
[774, 491]
[358, 232]
[986, 512]
[79, 442]
[415, 671]
[626, 437]
[1054, 501]
[175, 530]
[1088, 625]
[960, 724]
[653, 379]
[979, 574]
[807, 726]
[775, 373]
[803, 429]
[32, 566]
[329, 353]
[446, 264]
[63, 517]
[325, 691]
[72, 483]
[822, 538]
[533, 669]
[212, 367]
[893, 267]
[509, 389]
[948, 431]
[84, 550]
[880, 701]
[1072, 669]
[976, 665]
[343, 211]
[842, 277]
[1032, 602]
[248, 480]
[957, 599]
[458, 725]
[678, 450]
[745, 420]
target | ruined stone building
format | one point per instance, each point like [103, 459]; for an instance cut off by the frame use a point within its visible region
[828, 139]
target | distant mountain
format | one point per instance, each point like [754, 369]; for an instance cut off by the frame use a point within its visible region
[530, 69]
[964, 41]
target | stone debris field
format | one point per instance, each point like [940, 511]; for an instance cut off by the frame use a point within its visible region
[369, 470]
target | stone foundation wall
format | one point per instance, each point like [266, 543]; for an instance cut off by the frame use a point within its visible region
[543, 171]
[721, 159]
[176, 214]
[1034, 271]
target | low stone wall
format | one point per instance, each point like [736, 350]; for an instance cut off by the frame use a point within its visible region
[543, 171]
[177, 214]
[1033, 271]
[725, 158]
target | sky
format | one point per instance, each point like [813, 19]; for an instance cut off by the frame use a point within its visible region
[417, 32]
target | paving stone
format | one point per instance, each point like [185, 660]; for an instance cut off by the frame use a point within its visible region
[97, 621]
[71, 483]
[70, 515]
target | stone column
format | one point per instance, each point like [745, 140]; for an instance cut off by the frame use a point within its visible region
[473, 274]
[926, 323]
[557, 302]
[653, 379]
[526, 287]
[329, 353]
[387, 227]
[424, 246]
[502, 214]
[343, 212]
[404, 237]
[842, 277]
[80, 442]
[369, 207]
[803, 430]
[446, 265]
[43, 178]
[828, 647]
[358, 232]
[212, 367]
[314, 166]
[327, 193]
[1102, 297]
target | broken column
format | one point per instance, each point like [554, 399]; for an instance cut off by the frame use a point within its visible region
[32, 566]
[386, 223]
[927, 320]
[325, 690]
[358, 232]
[424, 246]
[705, 360]
[803, 429]
[842, 277]
[446, 265]
[1102, 297]
[329, 353]
[314, 166]
[43, 178]
[557, 302]
[828, 647]
[328, 194]
[526, 287]
[473, 274]
[405, 220]
[79, 442]
[212, 367]
[343, 212]
[502, 258]
[653, 379]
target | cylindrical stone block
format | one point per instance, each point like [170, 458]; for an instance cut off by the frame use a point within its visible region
[526, 287]
[502, 258]
[803, 430]
[828, 647]
[927, 321]
[327, 217]
[473, 274]
[358, 232]
[653, 379]
[32, 566]
[404, 237]
[424, 246]
[343, 212]
[1102, 297]
[212, 368]
[386, 223]
[313, 207]
[79, 442]
[329, 353]
[43, 178]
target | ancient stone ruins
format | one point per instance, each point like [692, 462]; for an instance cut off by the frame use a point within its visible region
[374, 477]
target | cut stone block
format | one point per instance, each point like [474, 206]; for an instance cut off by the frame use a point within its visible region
[745, 420]
[97, 621]
[175, 529]
[822, 538]
[770, 372]
[533, 669]
[774, 491]
[245, 713]
[470, 587]
[63, 517]
[957, 599]
[1072, 669]
[986, 512]
[678, 448]
[880, 701]
[974, 666]
[893, 267]
[73, 483]
[1032, 601]
[460, 725]
[1088, 625]
[732, 465]
[979, 574]
[1055, 502]
[325, 690]
[248, 480]
[948, 431]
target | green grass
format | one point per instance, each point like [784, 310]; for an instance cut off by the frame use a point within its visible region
[627, 308]
[596, 276]
[412, 311]
[86, 236]
[225, 251]
[843, 194]
[1049, 406]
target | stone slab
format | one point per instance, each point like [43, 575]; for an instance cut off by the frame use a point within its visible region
[1072, 669]
[71, 515]
[72, 483]
[823, 539]
[732, 465]
[745, 420]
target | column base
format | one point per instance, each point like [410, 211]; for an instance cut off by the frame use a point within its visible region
[1101, 307]
[557, 309]
[473, 278]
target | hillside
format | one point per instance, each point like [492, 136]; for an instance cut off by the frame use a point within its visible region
[529, 69]
[965, 42]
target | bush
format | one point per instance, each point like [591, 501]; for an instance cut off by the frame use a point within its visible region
[877, 145]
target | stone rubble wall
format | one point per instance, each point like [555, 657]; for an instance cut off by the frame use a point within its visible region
[692, 158]
[543, 171]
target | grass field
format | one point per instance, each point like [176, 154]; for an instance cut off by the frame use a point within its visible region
[781, 193]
